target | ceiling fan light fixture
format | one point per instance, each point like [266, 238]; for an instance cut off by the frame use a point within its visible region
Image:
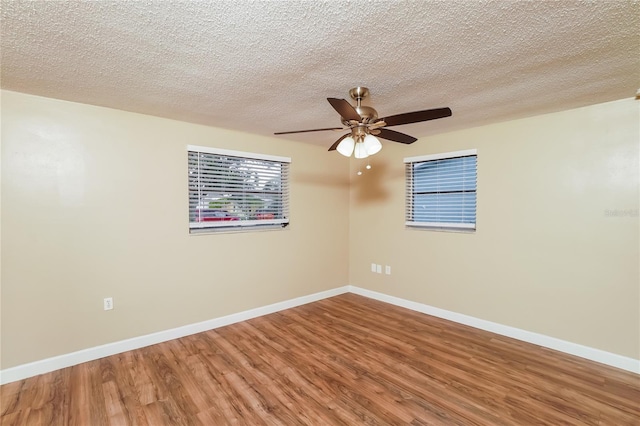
[364, 124]
[346, 146]
[372, 144]
[361, 150]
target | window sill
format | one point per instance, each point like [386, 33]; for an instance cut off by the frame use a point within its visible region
[441, 229]
[238, 229]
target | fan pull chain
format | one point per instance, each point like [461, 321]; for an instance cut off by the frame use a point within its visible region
[368, 167]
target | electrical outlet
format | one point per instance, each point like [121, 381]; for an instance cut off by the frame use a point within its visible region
[387, 270]
[373, 267]
[379, 269]
[108, 303]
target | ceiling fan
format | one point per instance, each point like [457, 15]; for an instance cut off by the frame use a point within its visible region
[364, 125]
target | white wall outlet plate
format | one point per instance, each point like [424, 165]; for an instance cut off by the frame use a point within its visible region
[108, 303]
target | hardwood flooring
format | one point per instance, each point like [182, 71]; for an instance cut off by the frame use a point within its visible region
[347, 360]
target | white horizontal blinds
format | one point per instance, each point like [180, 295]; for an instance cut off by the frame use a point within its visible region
[236, 190]
[442, 192]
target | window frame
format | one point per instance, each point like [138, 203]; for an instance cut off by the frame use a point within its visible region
[410, 192]
[235, 225]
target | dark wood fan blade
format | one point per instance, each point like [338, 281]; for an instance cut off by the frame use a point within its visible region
[392, 135]
[336, 143]
[417, 116]
[345, 109]
[307, 131]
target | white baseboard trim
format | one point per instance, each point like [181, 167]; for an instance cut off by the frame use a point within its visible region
[24, 371]
[597, 355]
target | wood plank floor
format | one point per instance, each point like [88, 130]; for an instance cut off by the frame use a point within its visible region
[347, 360]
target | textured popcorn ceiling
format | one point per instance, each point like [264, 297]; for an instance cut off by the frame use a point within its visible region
[263, 67]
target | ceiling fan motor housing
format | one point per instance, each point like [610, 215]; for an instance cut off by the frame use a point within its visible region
[368, 115]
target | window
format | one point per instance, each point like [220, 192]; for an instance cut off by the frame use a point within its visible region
[441, 190]
[234, 190]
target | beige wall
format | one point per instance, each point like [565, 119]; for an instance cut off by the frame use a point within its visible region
[545, 257]
[94, 204]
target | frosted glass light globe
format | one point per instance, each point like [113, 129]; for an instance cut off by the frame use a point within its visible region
[361, 150]
[346, 146]
[372, 144]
